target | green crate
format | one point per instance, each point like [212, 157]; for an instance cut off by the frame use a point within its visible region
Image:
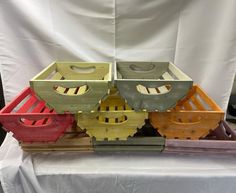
[151, 86]
[73, 86]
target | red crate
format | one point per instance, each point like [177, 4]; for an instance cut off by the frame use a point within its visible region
[28, 118]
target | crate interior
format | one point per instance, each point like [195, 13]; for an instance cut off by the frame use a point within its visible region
[75, 71]
[149, 70]
[79, 71]
[30, 104]
[197, 100]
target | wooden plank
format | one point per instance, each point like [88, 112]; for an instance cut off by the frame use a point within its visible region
[112, 108]
[56, 76]
[207, 99]
[142, 141]
[187, 106]
[209, 144]
[27, 105]
[178, 73]
[167, 76]
[152, 90]
[128, 148]
[43, 121]
[163, 89]
[82, 90]
[37, 109]
[71, 91]
[63, 144]
[142, 89]
[197, 103]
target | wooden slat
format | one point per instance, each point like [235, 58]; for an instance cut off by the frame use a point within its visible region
[27, 105]
[142, 89]
[163, 89]
[197, 103]
[207, 99]
[40, 122]
[187, 106]
[152, 90]
[82, 90]
[37, 109]
[106, 77]
[112, 108]
[56, 76]
[127, 148]
[177, 72]
[167, 76]
[71, 91]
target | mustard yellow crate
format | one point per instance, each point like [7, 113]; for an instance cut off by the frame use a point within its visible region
[114, 119]
[73, 86]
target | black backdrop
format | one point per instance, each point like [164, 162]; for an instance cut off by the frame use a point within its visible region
[2, 104]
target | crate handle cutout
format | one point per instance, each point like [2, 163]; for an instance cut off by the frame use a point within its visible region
[186, 121]
[83, 70]
[143, 68]
[112, 120]
[32, 122]
[74, 91]
[164, 89]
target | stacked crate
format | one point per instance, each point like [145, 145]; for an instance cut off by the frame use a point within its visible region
[83, 95]
[176, 109]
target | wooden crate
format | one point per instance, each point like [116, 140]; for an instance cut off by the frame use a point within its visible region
[30, 120]
[200, 146]
[77, 140]
[193, 117]
[74, 139]
[73, 86]
[113, 119]
[151, 86]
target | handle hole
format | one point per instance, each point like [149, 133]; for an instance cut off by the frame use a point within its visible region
[142, 68]
[39, 122]
[186, 120]
[164, 89]
[112, 120]
[83, 70]
[73, 91]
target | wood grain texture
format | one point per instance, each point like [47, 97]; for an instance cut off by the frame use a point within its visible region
[190, 119]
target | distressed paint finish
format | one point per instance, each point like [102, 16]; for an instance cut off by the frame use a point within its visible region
[153, 86]
[193, 117]
[72, 86]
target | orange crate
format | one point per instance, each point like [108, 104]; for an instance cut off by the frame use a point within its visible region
[192, 118]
